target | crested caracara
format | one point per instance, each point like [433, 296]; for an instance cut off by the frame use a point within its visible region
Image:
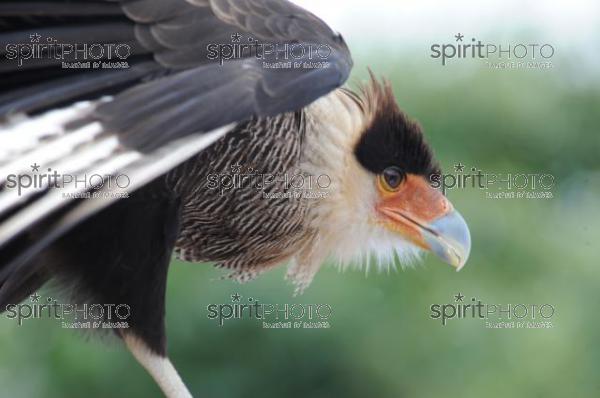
[124, 123]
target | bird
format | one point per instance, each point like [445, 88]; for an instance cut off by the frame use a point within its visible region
[214, 131]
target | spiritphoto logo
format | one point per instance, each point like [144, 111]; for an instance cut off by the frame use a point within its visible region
[40, 178]
[496, 185]
[292, 185]
[72, 316]
[273, 55]
[496, 55]
[71, 55]
[271, 316]
[496, 316]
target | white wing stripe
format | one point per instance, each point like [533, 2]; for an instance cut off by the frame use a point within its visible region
[74, 165]
[22, 134]
[57, 198]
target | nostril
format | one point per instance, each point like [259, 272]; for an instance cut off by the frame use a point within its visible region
[446, 205]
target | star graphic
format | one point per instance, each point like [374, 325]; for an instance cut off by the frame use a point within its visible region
[235, 297]
[35, 38]
[459, 168]
[459, 297]
[35, 297]
[35, 167]
[459, 37]
[236, 168]
[236, 38]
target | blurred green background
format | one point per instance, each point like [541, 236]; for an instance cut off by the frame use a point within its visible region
[382, 342]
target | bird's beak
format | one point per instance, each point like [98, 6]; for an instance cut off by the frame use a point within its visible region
[424, 216]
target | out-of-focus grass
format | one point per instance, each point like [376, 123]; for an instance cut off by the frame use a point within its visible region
[382, 342]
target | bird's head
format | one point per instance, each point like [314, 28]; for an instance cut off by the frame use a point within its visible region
[390, 208]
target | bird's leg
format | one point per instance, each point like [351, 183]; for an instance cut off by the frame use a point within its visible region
[160, 368]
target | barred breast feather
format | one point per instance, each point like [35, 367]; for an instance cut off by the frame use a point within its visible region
[239, 210]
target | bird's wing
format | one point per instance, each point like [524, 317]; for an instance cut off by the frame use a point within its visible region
[185, 84]
[189, 42]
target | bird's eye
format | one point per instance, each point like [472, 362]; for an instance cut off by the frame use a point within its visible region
[391, 178]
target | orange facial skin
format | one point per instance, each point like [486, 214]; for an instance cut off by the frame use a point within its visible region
[411, 207]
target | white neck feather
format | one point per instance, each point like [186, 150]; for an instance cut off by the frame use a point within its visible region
[344, 220]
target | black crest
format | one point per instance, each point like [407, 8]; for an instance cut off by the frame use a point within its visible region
[392, 139]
